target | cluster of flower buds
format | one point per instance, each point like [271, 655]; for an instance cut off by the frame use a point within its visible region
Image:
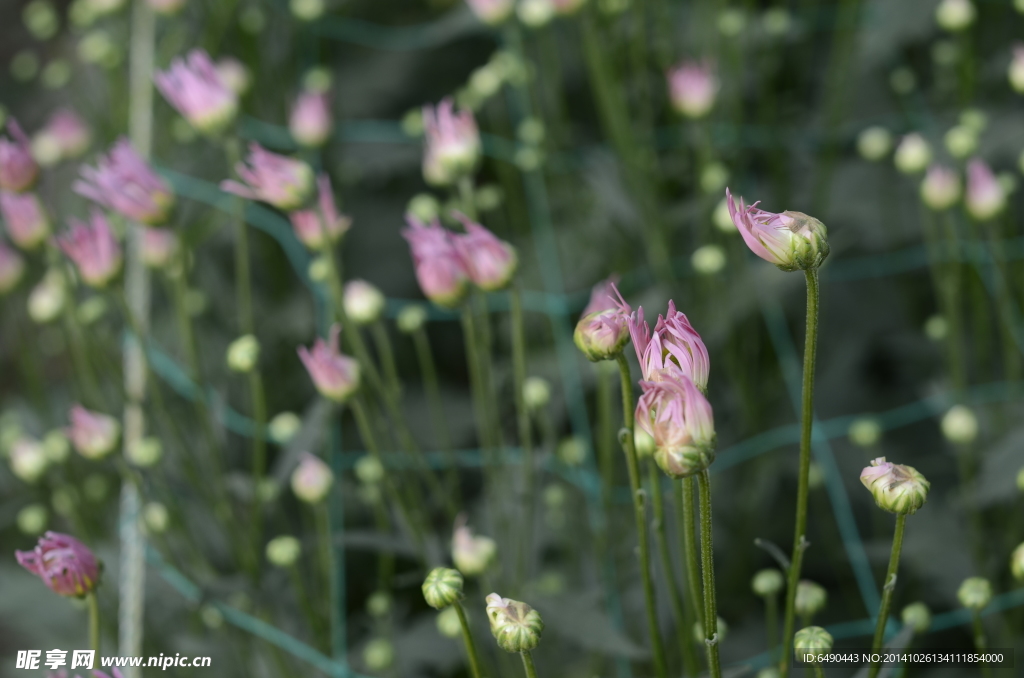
[452, 143]
[515, 625]
[123, 182]
[692, 88]
[679, 419]
[336, 376]
[895, 488]
[790, 240]
[65, 564]
[603, 328]
[195, 88]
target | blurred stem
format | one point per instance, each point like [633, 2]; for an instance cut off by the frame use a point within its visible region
[523, 420]
[94, 621]
[531, 672]
[806, 423]
[466, 196]
[626, 438]
[887, 589]
[467, 638]
[322, 518]
[771, 622]
[90, 392]
[684, 497]
[476, 387]
[315, 622]
[947, 278]
[708, 568]
[661, 541]
[818, 671]
[1004, 302]
[980, 641]
[428, 368]
[387, 356]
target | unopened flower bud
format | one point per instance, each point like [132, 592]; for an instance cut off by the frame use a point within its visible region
[790, 240]
[985, 197]
[515, 625]
[28, 459]
[975, 593]
[1016, 69]
[601, 335]
[310, 123]
[286, 183]
[378, 654]
[1017, 562]
[364, 303]
[571, 451]
[159, 245]
[448, 623]
[492, 12]
[155, 517]
[896, 488]
[865, 432]
[810, 598]
[12, 267]
[94, 435]
[1020, 480]
[913, 154]
[32, 519]
[378, 604]
[679, 418]
[874, 143]
[535, 13]
[283, 551]
[490, 262]
[283, 427]
[708, 259]
[940, 189]
[722, 632]
[411, 318]
[452, 143]
[24, 218]
[369, 470]
[813, 639]
[955, 15]
[770, 672]
[693, 88]
[472, 554]
[243, 353]
[917, 616]
[56, 446]
[536, 392]
[307, 10]
[767, 582]
[312, 479]
[442, 587]
[336, 376]
[424, 207]
[47, 299]
[65, 565]
[146, 452]
[960, 425]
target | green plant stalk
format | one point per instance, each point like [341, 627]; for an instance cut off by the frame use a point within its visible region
[467, 638]
[94, 621]
[476, 388]
[818, 671]
[980, 641]
[605, 432]
[523, 421]
[887, 589]
[1005, 306]
[387, 356]
[707, 557]
[947, 283]
[683, 621]
[684, 499]
[315, 621]
[467, 199]
[428, 369]
[322, 519]
[531, 671]
[806, 423]
[658, 650]
[771, 622]
[91, 393]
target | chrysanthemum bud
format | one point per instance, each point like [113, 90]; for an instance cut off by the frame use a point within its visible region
[310, 122]
[896, 488]
[56, 446]
[515, 625]
[708, 259]
[448, 623]
[535, 13]
[767, 582]
[18, 169]
[47, 298]
[940, 189]
[643, 443]
[917, 616]
[698, 630]
[770, 672]
[93, 248]
[378, 604]
[955, 15]
[194, 87]
[790, 240]
[24, 218]
[874, 143]
[286, 183]
[124, 182]
[411, 318]
[913, 154]
[452, 143]
[693, 88]
[283, 427]
[1017, 562]
[810, 598]
[536, 392]
[985, 197]
[32, 519]
[813, 639]
[12, 267]
[489, 261]
[975, 593]
[28, 459]
[156, 517]
[94, 435]
[680, 420]
[571, 451]
[283, 551]
[312, 479]
[65, 564]
[960, 425]
[492, 12]
[369, 470]
[336, 376]
[601, 335]
[243, 353]
[442, 587]
[865, 432]
[364, 303]
[145, 452]
[307, 10]
[472, 554]
[440, 269]
[378, 654]
[1016, 70]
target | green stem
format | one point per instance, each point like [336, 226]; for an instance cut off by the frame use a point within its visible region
[771, 621]
[707, 557]
[626, 438]
[91, 393]
[806, 423]
[980, 641]
[387, 356]
[466, 197]
[531, 671]
[476, 387]
[94, 621]
[887, 589]
[523, 420]
[322, 518]
[686, 519]
[467, 638]
[819, 672]
[315, 621]
[259, 461]
[428, 368]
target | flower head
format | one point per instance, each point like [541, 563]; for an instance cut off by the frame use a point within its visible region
[442, 587]
[603, 328]
[673, 348]
[285, 183]
[336, 376]
[159, 245]
[985, 195]
[312, 479]
[94, 435]
[768, 582]
[440, 269]
[312, 224]
[310, 122]
[64, 564]
[918, 616]
[18, 169]
[123, 182]
[790, 240]
[452, 143]
[47, 298]
[491, 12]
[813, 639]
[67, 132]
[93, 248]
[913, 154]
[283, 551]
[692, 88]
[810, 598]
[472, 554]
[955, 15]
[896, 488]
[12, 267]
[516, 626]
[195, 88]
[941, 188]
[25, 218]
[28, 459]
[490, 261]
[679, 418]
[363, 302]
[975, 593]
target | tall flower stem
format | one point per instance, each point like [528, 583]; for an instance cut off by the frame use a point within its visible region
[771, 621]
[387, 356]
[806, 423]
[467, 638]
[322, 519]
[428, 368]
[531, 671]
[91, 393]
[316, 624]
[887, 588]
[684, 500]
[626, 438]
[523, 421]
[94, 621]
[707, 558]
[980, 641]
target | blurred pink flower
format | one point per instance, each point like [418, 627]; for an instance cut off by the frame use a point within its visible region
[679, 419]
[603, 297]
[124, 182]
[335, 375]
[491, 11]
[286, 183]
[673, 348]
[489, 261]
[940, 188]
[94, 435]
[985, 195]
[18, 169]
[312, 223]
[69, 132]
[194, 87]
[12, 267]
[440, 270]
[26, 221]
[452, 143]
[93, 248]
[159, 245]
[603, 327]
[692, 88]
[790, 240]
[312, 479]
[64, 564]
[310, 122]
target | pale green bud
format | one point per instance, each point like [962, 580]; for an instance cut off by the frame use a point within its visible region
[865, 432]
[243, 353]
[698, 630]
[917, 616]
[955, 15]
[960, 425]
[1017, 562]
[211, 617]
[643, 442]
[713, 178]
[156, 517]
[554, 496]
[32, 519]
[777, 21]
[283, 427]
[571, 451]
[515, 625]
[47, 299]
[722, 219]
[411, 318]
[896, 488]
[936, 327]
[810, 598]
[448, 623]
[145, 452]
[708, 259]
[317, 80]
[369, 470]
[770, 672]
[813, 639]
[1020, 479]
[874, 143]
[472, 554]
[56, 446]
[283, 551]
[768, 582]
[913, 154]
[961, 141]
[28, 459]
[536, 393]
[378, 654]
[731, 22]
[307, 10]
[975, 593]
[364, 303]
[378, 604]
[319, 269]
[442, 587]
[535, 13]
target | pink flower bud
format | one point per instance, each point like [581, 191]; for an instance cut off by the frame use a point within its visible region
[159, 245]
[64, 564]
[312, 479]
[336, 376]
[12, 267]
[985, 195]
[92, 434]
[790, 240]
[26, 221]
[440, 269]
[311, 224]
[194, 87]
[894, 487]
[603, 328]
[70, 135]
[490, 262]
[673, 348]
[472, 554]
[18, 169]
[123, 182]
[93, 248]
[492, 12]
[692, 88]
[452, 143]
[941, 188]
[1016, 70]
[285, 183]
[310, 122]
[679, 418]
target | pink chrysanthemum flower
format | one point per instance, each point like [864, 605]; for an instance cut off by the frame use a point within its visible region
[680, 420]
[790, 240]
[692, 88]
[674, 347]
[490, 261]
[93, 248]
[194, 87]
[64, 564]
[285, 183]
[123, 182]
[452, 143]
[440, 270]
[336, 376]
[18, 169]
[312, 224]
[310, 122]
[25, 219]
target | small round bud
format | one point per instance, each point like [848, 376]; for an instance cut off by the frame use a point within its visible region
[708, 259]
[815, 476]
[283, 551]
[961, 141]
[448, 623]
[364, 303]
[767, 582]
[896, 488]
[571, 451]
[714, 178]
[936, 328]
[32, 519]
[535, 13]
[283, 427]
[515, 625]
[602, 334]
[975, 593]
[698, 630]
[145, 452]
[378, 654]
[307, 10]
[770, 672]
[536, 393]
[211, 616]
[940, 189]
[955, 15]
[472, 554]
[1017, 562]
[156, 517]
[411, 318]
[56, 446]
[731, 22]
[442, 587]
[644, 444]
[777, 21]
[913, 154]
[917, 616]
[47, 299]
[874, 143]
[312, 479]
[554, 496]
[424, 206]
[28, 460]
[813, 639]
[960, 425]
[1020, 480]
[865, 432]
[243, 353]
[378, 604]
[369, 470]
[810, 598]
[319, 269]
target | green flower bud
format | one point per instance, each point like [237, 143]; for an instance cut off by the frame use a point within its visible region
[283, 551]
[411, 318]
[442, 587]
[698, 630]
[56, 446]
[243, 353]
[643, 443]
[364, 303]
[145, 452]
[874, 143]
[708, 259]
[378, 654]
[211, 616]
[448, 623]
[975, 593]
[770, 672]
[571, 451]
[369, 470]
[536, 392]
[960, 425]
[378, 604]
[810, 598]
[917, 616]
[865, 432]
[895, 488]
[768, 582]
[812, 639]
[155, 517]
[32, 519]
[515, 625]
[283, 427]
[1020, 479]
[602, 334]
[1017, 562]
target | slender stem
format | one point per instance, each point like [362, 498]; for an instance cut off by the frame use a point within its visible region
[387, 356]
[686, 518]
[259, 460]
[523, 420]
[531, 671]
[980, 641]
[819, 672]
[626, 438]
[315, 621]
[425, 356]
[466, 197]
[806, 422]
[887, 588]
[467, 638]
[707, 558]
[91, 393]
[771, 621]
[94, 621]
[322, 521]
[477, 390]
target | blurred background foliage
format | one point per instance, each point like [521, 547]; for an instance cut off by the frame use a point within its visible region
[584, 188]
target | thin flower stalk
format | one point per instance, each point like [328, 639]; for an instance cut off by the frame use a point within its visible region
[531, 670]
[523, 421]
[382, 342]
[467, 639]
[887, 589]
[708, 571]
[428, 370]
